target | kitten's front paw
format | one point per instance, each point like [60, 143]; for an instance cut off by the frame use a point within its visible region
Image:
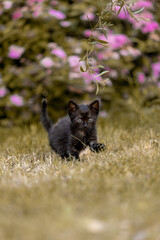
[97, 147]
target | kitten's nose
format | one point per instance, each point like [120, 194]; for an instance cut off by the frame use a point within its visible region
[85, 125]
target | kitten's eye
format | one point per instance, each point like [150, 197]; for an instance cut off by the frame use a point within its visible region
[90, 120]
[79, 120]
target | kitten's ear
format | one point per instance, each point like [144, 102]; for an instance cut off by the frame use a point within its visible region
[72, 107]
[94, 106]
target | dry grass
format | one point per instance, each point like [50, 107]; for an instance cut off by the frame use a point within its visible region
[112, 195]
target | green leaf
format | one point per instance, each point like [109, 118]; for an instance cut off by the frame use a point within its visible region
[93, 43]
[82, 70]
[100, 41]
[120, 9]
[99, 66]
[138, 11]
[102, 73]
[145, 19]
[97, 88]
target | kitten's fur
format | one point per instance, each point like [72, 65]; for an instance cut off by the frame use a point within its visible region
[71, 134]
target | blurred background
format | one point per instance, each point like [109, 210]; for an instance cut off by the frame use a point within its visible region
[42, 41]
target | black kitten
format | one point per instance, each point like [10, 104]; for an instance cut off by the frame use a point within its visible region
[71, 134]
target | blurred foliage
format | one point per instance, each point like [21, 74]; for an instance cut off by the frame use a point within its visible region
[40, 42]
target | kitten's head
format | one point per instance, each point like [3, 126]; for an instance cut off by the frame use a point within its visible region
[83, 116]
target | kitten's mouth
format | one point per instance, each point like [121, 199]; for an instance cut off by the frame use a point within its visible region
[85, 129]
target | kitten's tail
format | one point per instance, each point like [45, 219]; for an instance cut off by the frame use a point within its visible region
[45, 120]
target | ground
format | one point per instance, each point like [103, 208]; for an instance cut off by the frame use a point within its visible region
[113, 195]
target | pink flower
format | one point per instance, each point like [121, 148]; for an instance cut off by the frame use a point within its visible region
[57, 14]
[150, 27]
[73, 75]
[156, 69]
[52, 45]
[7, 4]
[113, 73]
[134, 52]
[54, 2]
[73, 61]
[32, 2]
[116, 40]
[59, 53]
[124, 71]
[16, 100]
[103, 113]
[15, 52]
[100, 56]
[88, 32]
[37, 11]
[123, 13]
[141, 77]
[114, 55]
[141, 3]
[104, 55]
[3, 91]
[88, 16]
[147, 15]
[88, 77]
[141, 23]
[47, 62]
[124, 52]
[17, 14]
[65, 23]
